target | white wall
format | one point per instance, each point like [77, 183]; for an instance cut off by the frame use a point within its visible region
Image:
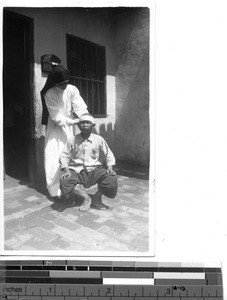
[50, 28]
[51, 24]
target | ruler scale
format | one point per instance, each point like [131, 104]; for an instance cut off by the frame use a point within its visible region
[109, 280]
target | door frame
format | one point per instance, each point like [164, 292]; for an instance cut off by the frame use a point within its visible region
[29, 24]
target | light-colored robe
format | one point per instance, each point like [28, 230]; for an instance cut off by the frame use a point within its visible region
[60, 104]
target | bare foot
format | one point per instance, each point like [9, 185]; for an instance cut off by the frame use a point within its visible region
[99, 206]
[97, 202]
[85, 205]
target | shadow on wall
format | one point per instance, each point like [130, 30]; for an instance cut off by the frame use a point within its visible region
[132, 122]
[132, 87]
[106, 131]
[123, 167]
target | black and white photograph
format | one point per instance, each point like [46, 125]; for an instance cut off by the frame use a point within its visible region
[78, 159]
[114, 120]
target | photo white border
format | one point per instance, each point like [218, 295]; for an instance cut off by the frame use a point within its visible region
[81, 255]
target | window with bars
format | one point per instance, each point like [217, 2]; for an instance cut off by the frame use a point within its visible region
[86, 62]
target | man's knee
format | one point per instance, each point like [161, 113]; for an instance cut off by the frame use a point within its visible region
[109, 186]
[64, 182]
[114, 185]
[66, 186]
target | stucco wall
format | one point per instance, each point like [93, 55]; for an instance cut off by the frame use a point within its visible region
[132, 86]
[124, 34]
[50, 28]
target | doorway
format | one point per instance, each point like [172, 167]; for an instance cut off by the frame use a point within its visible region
[17, 82]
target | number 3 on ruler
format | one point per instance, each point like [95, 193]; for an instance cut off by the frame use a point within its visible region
[168, 292]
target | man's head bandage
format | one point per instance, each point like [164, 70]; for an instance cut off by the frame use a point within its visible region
[86, 117]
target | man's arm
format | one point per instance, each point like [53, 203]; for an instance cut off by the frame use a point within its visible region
[110, 170]
[110, 159]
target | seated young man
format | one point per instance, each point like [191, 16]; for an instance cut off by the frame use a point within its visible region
[81, 163]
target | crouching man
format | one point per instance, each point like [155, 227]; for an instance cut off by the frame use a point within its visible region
[81, 165]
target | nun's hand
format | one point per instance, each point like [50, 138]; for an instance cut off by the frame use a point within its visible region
[75, 122]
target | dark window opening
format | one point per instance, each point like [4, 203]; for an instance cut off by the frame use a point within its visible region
[86, 62]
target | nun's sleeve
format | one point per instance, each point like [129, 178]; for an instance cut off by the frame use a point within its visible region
[79, 107]
[55, 111]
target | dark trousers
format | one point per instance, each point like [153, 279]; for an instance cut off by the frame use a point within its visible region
[107, 184]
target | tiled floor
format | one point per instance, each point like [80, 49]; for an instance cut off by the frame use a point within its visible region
[34, 222]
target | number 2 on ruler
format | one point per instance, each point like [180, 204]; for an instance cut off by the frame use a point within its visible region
[108, 291]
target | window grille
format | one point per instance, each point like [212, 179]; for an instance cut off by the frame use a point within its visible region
[86, 62]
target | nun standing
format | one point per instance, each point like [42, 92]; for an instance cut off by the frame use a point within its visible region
[61, 103]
